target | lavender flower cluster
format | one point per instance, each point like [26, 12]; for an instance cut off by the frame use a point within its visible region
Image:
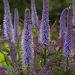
[12, 34]
[7, 21]
[44, 37]
[27, 43]
[68, 35]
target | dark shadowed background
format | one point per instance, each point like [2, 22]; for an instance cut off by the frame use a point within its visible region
[56, 7]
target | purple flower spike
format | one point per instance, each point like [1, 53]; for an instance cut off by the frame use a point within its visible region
[7, 21]
[16, 27]
[27, 43]
[44, 37]
[35, 19]
[63, 19]
[73, 8]
[68, 35]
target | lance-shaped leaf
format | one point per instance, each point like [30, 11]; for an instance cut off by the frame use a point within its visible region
[44, 36]
[16, 25]
[35, 19]
[68, 35]
[27, 42]
[7, 21]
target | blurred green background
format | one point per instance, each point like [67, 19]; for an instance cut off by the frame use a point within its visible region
[56, 6]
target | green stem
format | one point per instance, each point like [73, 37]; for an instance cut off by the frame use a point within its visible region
[44, 56]
[28, 71]
[67, 66]
[19, 59]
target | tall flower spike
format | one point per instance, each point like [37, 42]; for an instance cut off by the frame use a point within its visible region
[27, 43]
[68, 35]
[63, 18]
[7, 21]
[73, 8]
[35, 19]
[16, 25]
[44, 36]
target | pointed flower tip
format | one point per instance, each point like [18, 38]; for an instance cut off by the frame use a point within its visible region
[27, 11]
[68, 36]
[16, 16]
[16, 9]
[27, 14]
[35, 19]
[63, 22]
[16, 25]
[16, 12]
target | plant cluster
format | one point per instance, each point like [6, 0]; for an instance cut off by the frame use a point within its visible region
[31, 51]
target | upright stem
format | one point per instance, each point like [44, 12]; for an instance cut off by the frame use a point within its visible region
[19, 59]
[44, 56]
[28, 71]
[67, 64]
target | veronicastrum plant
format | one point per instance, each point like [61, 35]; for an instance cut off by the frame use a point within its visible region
[30, 55]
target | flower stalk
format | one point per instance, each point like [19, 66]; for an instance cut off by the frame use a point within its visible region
[27, 43]
[8, 29]
[44, 36]
[68, 44]
[35, 19]
[63, 23]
